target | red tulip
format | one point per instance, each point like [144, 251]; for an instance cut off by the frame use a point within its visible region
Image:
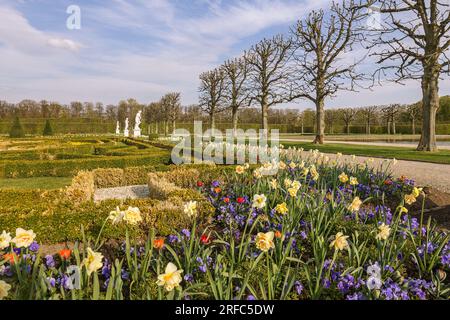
[240, 200]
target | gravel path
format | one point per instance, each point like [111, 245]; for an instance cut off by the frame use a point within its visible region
[122, 193]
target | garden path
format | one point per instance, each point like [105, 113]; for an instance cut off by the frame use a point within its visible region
[121, 193]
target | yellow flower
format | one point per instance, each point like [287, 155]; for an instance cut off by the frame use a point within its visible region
[305, 171]
[314, 173]
[4, 289]
[240, 170]
[384, 233]
[190, 209]
[282, 165]
[353, 181]
[132, 216]
[343, 177]
[297, 185]
[287, 183]
[339, 242]
[24, 238]
[116, 216]
[257, 174]
[416, 192]
[292, 165]
[403, 210]
[171, 278]
[274, 184]
[410, 199]
[339, 155]
[293, 192]
[93, 261]
[264, 241]
[5, 240]
[355, 205]
[259, 201]
[281, 208]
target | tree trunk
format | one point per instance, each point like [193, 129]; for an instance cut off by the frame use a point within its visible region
[413, 124]
[320, 132]
[394, 131]
[303, 128]
[265, 115]
[235, 122]
[368, 128]
[430, 103]
[388, 127]
[347, 125]
[166, 127]
[212, 120]
[156, 127]
[174, 125]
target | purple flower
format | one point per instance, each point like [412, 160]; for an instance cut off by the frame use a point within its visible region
[34, 246]
[298, 287]
[250, 297]
[189, 278]
[49, 261]
[186, 233]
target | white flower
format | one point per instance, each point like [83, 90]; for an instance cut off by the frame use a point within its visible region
[190, 209]
[24, 238]
[259, 201]
[4, 289]
[171, 278]
[5, 240]
[132, 216]
[116, 216]
[374, 283]
[93, 261]
[374, 271]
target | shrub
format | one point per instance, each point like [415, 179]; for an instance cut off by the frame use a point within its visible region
[82, 188]
[16, 129]
[108, 177]
[159, 188]
[48, 131]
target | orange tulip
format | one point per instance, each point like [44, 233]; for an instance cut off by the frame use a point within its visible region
[65, 254]
[10, 257]
[158, 243]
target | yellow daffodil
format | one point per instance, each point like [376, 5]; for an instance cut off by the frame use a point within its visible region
[403, 210]
[4, 289]
[171, 278]
[240, 170]
[282, 165]
[274, 184]
[259, 201]
[384, 232]
[24, 238]
[339, 242]
[305, 171]
[339, 155]
[190, 209]
[296, 184]
[5, 240]
[410, 199]
[264, 241]
[287, 183]
[416, 192]
[93, 261]
[132, 216]
[281, 208]
[353, 181]
[343, 177]
[292, 165]
[355, 205]
[257, 174]
[314, 173]
[293, 192]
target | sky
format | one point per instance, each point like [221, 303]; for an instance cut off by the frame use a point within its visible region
[144, 48]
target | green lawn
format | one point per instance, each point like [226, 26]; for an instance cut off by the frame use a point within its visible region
[46, 183]
[400, 153]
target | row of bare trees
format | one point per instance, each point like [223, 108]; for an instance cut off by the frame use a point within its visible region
[322, 56]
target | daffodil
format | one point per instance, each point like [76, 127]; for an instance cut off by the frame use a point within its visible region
[355, 205]
[171, 278]
[353, 181]
[287, 183]
[339, 242]
[264, 241]
[343, 177]
[292, 165]
[240, 170]
[4, 289]
[403, 210]
[314, 173]
[93, 261]
[416, 192]
[305, 171]
[296, 185]
[274, 184]
[410, 199]
[293, 192]
[190, 209]
[5, 240]
[282, 165]
[281, 208]
[259, 201]
[23, 238]
[132, 216]
[116, 216]
[384, 232]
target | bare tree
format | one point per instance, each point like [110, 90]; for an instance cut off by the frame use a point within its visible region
[212, 90]
[330, 119]
[369, 114]
[171, 104]
[391, 113]
[270, 75]
[321, 41]
[413, 42]
[348, 115]
[237, 92]
[414, 112]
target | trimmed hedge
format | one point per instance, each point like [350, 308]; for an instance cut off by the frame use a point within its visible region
[70, 167]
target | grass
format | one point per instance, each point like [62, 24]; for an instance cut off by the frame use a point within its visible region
[45, 183]
[400, 153]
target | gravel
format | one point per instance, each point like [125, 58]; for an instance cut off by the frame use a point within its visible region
[122, 193]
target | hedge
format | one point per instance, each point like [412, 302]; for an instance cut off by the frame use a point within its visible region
[67, 168]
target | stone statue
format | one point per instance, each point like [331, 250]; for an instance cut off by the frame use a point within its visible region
[137, 125]
[126, 132]
[118, 128]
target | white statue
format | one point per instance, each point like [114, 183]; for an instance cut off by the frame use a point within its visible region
[118, 128]
[137, 125]
[126, 132]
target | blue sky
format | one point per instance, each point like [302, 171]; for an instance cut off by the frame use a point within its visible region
[144, 48]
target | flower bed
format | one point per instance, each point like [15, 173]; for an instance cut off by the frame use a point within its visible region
[320, 229]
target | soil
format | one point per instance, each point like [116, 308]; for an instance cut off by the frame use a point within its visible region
[437, 206]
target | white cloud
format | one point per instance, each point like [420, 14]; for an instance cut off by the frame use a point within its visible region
[64, 44]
